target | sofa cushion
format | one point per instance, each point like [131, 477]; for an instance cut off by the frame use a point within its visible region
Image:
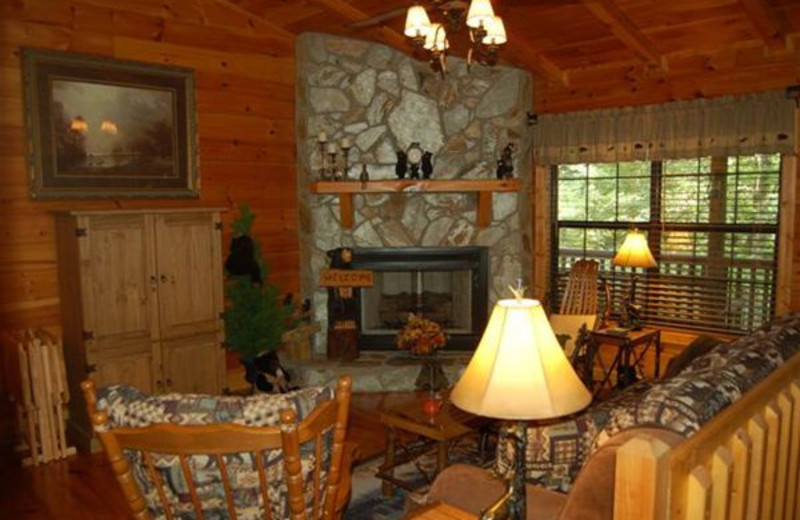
[709, 384]
[682, 404]
[128, 407]
[699, 347]
[556, 452]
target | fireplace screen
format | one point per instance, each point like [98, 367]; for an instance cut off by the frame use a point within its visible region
[446, 285]
[442, 296]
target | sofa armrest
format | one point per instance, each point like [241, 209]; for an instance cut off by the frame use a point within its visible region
[474, 489]
[345, 480]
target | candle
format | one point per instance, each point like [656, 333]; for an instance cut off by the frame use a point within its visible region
[346, 143]
[322, 137]
[331, 148]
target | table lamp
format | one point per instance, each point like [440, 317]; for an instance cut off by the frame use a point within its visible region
[519, 372]
[634, 252]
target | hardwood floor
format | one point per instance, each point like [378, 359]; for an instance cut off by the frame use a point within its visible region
[84, 487]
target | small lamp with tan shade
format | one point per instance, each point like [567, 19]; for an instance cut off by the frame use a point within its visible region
[634, 252]
[519, 373]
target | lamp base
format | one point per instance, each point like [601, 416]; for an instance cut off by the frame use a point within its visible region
[512, 505]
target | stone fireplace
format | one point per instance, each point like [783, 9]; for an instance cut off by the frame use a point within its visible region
[446, 284]
[383, 100]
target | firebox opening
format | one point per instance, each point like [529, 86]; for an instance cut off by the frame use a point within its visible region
[447, 285]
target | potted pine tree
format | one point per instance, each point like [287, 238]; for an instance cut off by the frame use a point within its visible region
[255, 318]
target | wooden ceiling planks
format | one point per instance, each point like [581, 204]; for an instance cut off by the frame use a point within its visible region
[619, 23]
[598, 53]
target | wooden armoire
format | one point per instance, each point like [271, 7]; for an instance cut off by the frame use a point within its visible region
[141, 302]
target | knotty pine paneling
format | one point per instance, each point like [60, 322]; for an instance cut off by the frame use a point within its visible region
[245, 117]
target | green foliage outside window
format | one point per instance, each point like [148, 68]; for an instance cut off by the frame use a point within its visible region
[716, 223]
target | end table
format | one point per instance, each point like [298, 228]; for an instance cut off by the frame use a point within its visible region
[631, 346]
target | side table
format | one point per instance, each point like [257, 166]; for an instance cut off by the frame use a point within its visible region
[440, 511]
[448, 424]
[631, 347]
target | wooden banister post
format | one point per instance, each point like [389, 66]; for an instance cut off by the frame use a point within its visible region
[640, 481]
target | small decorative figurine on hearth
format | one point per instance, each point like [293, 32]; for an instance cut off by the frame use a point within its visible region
[269, 376]
[427, 165]
[401, 167]
[505, 165]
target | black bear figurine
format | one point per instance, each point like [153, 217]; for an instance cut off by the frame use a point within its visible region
[427, 165]
[505, 165]
[242, 259]
[402, 165]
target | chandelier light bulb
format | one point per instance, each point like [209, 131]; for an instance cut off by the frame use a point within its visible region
[495, 32]
[437, 38]
[480, 14]
[418, 25]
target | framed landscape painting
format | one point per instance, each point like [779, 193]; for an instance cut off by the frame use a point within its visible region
[99, 127]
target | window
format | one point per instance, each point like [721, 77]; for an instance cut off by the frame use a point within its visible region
[711, 223]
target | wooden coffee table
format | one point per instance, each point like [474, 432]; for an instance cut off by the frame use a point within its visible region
[448, 424]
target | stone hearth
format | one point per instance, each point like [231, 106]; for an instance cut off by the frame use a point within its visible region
[375, 371]
[384, 100]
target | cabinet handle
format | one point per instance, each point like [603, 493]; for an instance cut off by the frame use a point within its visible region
[159, 385]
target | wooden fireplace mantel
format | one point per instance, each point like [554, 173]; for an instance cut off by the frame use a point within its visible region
[483, 187]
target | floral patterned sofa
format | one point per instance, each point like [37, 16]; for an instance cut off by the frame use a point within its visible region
[570, 464]
[214, 482]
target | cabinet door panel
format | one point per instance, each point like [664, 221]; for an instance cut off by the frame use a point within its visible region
[117, 266]
[193, 365]
[133, 368]
[190, 274]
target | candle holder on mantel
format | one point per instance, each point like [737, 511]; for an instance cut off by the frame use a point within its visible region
[322, 140]
[346, 144]
[329, 154]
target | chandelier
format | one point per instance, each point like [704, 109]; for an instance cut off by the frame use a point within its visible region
[486, 32]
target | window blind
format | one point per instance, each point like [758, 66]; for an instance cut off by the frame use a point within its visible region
[711, 224]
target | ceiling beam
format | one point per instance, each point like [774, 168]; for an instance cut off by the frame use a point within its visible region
[765, 23]
[622, 27]
[353, 14]
[529, 57]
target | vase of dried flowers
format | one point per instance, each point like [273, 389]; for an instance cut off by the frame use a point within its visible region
[422, 338]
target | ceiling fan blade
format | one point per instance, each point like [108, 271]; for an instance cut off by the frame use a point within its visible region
[378, 19]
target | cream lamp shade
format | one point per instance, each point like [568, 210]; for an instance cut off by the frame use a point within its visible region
[480, 13]
[496, 32]
[417, 22]
[519, 370]
[634, 251]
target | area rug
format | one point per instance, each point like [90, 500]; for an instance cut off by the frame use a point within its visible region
[367, 501]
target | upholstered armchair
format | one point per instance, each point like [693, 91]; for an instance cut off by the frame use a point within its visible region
[197, 456]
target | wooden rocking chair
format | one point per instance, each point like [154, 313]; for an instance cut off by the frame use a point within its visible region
[254, 471]
[580, 298]
[580, 295]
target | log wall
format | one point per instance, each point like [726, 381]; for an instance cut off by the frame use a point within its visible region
[245, 116]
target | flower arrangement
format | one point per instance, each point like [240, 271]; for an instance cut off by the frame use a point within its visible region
[421, 336]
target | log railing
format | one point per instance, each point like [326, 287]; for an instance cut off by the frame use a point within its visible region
[742, 465]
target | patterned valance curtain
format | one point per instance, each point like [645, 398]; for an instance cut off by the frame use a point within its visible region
[740, 125]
